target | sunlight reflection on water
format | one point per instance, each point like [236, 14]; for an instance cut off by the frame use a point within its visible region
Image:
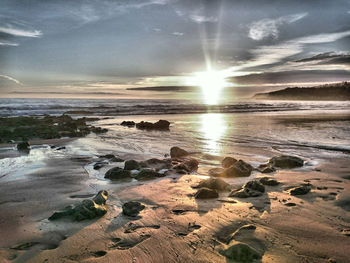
[213, 127]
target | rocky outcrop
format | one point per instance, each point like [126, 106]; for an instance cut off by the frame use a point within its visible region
[128, 123]
[132, 208]
[250, 189]
[87, 209]
[206, 193]
[238, 169]
[177, 152]
[159, 125]
[117, 173]
[228, 161]
[215, 184]
[286, 161]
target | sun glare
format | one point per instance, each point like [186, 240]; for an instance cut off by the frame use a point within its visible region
[211, 83]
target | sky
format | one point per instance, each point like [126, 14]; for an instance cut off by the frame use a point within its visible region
[104, 46]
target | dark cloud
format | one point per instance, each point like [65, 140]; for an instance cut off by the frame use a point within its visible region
[328, 58]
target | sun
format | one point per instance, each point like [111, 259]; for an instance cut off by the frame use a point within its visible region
[211, 83]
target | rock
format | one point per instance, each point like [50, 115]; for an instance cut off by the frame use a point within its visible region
[241, 252]
[112, 158]
[286, 161]
[128, 123]
[190, 165]
[159, 125]
[158, 164]
[300, 190]
[266, 168]
[228, 161]
[117, 173]
[250, 189]
[23, 146]
[268, 181]
[132, 208]
[98, 166]
[205, 193]
[176, 152]
[216, 172]
[131, 165]
[87, 209]
[146, 174]
[238, 169]
[214, 183]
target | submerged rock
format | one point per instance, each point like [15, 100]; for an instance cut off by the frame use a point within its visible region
[228, 161]
[241, 252]
[238, 169]
[117, 173]
[300, 190]
[250, 189]
[158, 164]
[205, 193]
[132, 208]
[176, 152]
[23, 146]
[87, 209]
[98, 165]
[214, 183]
[286, 161]
[268, 181]
[159, 125]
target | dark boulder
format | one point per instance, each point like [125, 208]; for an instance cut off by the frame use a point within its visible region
[300, 190]
[241, 252]
[117, 173]
[238, 169]
[286, 161]
[132, 208]
[158, 164]
[250, 189]
[128, 123]
[131, 165]
[214, 183]
[87, 209]
[98, 165]
[228, 161]
[23, 146]
[159, 125]
[206, 193]
[268, 181]
[176, 152]
[146, 174]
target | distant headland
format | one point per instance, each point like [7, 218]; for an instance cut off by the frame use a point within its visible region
[336, 91]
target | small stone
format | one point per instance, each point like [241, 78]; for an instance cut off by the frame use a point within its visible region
[300, 190]
[206, 193]
[132, 208]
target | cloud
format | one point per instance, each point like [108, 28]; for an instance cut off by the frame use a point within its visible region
[202, 19]
[270, 54]
[7, 43]
[269, 27]
[328, 58]
[11, 79]
[177, 33]
[9, 29]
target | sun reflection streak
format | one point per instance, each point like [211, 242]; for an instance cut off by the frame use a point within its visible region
[213, 127]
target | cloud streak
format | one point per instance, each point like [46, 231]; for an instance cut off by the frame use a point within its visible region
[18, 32]
[11, 79]
[265, 28]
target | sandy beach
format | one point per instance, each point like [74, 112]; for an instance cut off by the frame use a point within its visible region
[175, 226]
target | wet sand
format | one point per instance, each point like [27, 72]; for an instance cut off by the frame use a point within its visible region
[174, 226]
